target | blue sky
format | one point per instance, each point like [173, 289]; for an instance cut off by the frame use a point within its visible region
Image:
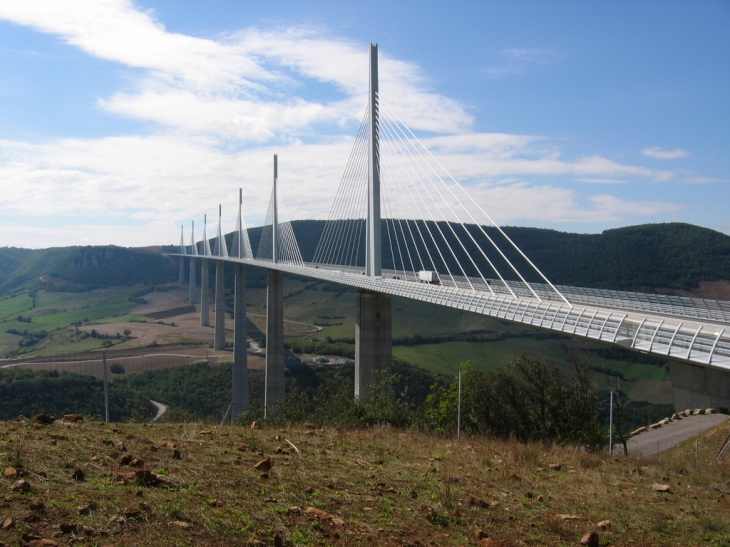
[121, 120]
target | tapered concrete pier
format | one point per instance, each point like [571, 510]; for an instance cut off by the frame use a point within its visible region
[275, 390]
[193, 290]
[204, 294]
[373, 343]
[240, 357]
[699, 387]
[220, 308]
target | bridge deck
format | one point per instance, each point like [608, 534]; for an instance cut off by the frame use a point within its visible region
[685, 329]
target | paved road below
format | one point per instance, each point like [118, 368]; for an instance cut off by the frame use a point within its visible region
[672, 434]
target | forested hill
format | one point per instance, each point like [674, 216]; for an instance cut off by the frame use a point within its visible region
[642, 258]
[83, 267]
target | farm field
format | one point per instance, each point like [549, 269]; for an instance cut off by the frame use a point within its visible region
[110, 312]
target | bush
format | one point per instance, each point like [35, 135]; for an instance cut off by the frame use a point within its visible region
[530, 400]
[116, 368]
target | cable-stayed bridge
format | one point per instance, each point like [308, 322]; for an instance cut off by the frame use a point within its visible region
[401, 225]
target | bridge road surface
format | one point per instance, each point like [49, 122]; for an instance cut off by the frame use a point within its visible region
[670, 435]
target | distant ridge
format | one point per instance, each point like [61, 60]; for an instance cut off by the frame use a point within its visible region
[648, 257]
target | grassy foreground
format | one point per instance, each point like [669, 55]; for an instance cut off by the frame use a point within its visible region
[347, 487]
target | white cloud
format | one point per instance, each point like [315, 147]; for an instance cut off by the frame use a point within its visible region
[220, 107]
[662, 154]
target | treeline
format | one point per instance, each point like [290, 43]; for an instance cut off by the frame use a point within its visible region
[674, 256]
[529, 400]
[30, 338]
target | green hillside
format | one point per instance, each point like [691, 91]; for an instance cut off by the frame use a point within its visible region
[637, 258]
[648, 257]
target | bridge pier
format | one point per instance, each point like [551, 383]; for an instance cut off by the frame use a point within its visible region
[219, 339]
[373, 342]
[240, 357]
[695, 386]
[275, 388]
[193, 291]
[181, 276]
[204, 294]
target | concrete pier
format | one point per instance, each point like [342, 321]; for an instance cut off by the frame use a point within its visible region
[275, 389]
[204, 294]
[373, 342]
[192, 295]
[699, 387]
[220, 308]
[181, 276]
[240, 361]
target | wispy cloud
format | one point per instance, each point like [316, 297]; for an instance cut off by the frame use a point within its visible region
[702, 180]
[515, 61]
[662, 154]
[220, 107]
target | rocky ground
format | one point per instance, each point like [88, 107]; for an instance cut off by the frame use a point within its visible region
[78, 482]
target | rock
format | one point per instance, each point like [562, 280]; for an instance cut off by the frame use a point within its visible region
[86, 509]
[68, 528]
[590, 539]
[555, 466]
[278, 540]
[637, 431]
[540, 498]
[295, 509]
[215, 503]
[78, 475]
[665, 421]
[478, 502]
[489, 542]
[698, 411]
[313, 512]
[145, 477]
[73, 418]
[676, 416]
[41, 543]
[126, 459]
[181, 524]
[136, 462]
[309, 425]
[176, 454]
[568, 517]
[44, 419]
[479, 533]
[709, 411]
[665, 488]
[165, 482]
[132, 513]
[264, 465]
[7, 524]
[10, 472]
[37, 505]
[125, 477]
[254, 425]
[655, 426]
[604, 525]
[20, 486]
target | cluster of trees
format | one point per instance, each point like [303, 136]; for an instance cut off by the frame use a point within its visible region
[530, 400]
[30, 338]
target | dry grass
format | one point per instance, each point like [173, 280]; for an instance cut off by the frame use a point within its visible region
[388, 488]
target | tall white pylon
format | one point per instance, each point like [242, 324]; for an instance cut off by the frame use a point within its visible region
[221, 249]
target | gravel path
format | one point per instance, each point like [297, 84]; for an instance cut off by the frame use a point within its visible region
[670, 435]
